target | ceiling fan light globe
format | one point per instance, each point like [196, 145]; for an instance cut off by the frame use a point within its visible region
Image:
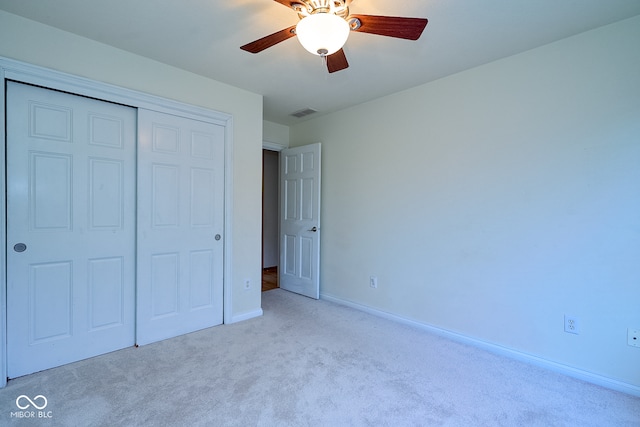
[322, 34]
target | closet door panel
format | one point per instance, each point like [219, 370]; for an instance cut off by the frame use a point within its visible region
[180, 225]
[70, 228]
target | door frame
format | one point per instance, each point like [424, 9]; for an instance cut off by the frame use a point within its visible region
[277, 148]
[31, 74]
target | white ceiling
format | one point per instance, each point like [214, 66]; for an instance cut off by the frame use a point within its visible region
[204, 36]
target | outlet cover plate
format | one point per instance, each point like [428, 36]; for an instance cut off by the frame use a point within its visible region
[373, 282]
[633, 337]
[571, 324]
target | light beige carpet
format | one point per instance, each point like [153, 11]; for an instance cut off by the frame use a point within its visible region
[313, 363]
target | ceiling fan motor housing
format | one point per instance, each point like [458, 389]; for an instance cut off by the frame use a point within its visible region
[309, 7]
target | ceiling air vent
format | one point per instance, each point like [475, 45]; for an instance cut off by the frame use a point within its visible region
[303, 112]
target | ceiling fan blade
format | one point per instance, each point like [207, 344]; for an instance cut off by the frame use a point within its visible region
[391, 26]
[270, 40]
[286, 2]
[337, 61]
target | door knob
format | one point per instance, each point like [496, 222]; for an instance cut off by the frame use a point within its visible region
[19, 247]
[314, 229]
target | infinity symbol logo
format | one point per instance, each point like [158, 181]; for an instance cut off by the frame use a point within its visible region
[31, 402]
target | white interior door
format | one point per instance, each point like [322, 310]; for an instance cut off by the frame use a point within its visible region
[70, 228]
[180, 225]
[300, 220]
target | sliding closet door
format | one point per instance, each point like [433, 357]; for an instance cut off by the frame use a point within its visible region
[70, 228]
[180, 225]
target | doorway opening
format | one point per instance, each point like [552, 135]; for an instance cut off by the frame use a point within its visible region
[270, 219]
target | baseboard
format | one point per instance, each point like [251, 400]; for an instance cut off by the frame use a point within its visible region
[246, 316]
[496, 349]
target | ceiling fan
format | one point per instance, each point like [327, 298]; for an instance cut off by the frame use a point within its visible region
[325, 26]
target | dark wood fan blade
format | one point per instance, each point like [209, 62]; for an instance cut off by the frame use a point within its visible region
[337, 61]
[286, 2]
[391, 26]
[270, 40]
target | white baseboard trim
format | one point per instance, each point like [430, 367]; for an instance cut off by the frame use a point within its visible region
[246, 316]
[496, 349]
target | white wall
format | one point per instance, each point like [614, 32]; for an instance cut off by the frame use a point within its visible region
[492, 202]
[34, 43]
[275, 133]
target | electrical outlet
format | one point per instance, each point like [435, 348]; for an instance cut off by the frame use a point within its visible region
[571, 324]
[633, 337]
[373, 281]
[247, 284]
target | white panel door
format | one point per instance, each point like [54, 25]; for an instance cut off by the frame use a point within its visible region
[180, 225]
[300, 220]
[70, 228]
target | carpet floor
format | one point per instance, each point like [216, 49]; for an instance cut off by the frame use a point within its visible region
[311, 363]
